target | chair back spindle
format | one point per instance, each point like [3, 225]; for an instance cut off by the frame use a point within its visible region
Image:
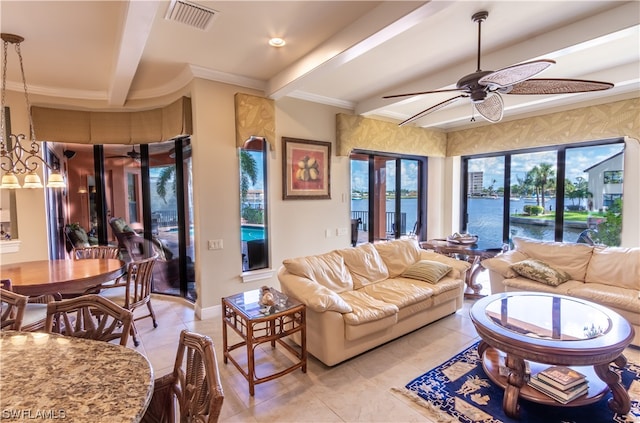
[89, 316]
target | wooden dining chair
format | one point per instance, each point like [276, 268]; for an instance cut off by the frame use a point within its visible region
[133, 291]
[193, 386]
[96, 252]
[12, 308]
[89, 316]
[35, 311]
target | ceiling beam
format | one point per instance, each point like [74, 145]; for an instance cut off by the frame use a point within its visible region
[350, 43]
[550, 44]
[135, 32]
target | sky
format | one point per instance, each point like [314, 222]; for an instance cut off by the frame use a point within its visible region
[360, 171]
[578, 159]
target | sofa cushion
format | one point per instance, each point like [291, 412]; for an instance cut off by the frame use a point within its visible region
[569, 257]
[315, 296]
[608, 296]
[541, 272]
[365, 264]
[427, 271]
[399, 292]
[327, 269]
[502, 263]
[525, 284]
[398, 254]
[615, 266]
[365, 308]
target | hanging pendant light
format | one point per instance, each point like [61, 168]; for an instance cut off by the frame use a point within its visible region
[15, 159]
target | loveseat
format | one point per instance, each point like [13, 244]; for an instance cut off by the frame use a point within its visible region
[360, 297]
[609, 276]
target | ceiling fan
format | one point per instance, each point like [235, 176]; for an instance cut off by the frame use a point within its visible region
[484, 88]
[133, 155]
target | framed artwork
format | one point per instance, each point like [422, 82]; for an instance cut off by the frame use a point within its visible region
[306, 169]
[612, 176]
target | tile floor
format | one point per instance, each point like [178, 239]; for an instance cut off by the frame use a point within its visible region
[357, 390]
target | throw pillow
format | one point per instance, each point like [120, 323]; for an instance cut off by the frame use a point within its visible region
[77, 235]
[121, 225]
[427, 271]
[540, 271]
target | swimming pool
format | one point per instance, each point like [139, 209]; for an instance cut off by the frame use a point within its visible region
[248, 232]
[251, 233]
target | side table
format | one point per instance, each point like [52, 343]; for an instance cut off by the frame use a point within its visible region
[257, 324]
[472, 253]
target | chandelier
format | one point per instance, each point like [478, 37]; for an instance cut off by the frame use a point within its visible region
[16, 159]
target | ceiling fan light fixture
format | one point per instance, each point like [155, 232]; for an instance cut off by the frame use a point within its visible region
[492, 109]
[478, 96]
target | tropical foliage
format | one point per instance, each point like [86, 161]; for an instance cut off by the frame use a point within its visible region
[577, 190]
[609, 231]
[165, 178]
[248, 178]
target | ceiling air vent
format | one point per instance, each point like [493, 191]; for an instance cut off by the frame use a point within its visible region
[191, 14]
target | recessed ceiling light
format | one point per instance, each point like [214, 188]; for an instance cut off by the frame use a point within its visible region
[277, 42]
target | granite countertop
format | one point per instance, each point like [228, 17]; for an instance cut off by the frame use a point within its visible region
[48, 376]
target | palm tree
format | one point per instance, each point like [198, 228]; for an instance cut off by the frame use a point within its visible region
[541, 177]
[544, 178]
[166, 176]
[248, 173]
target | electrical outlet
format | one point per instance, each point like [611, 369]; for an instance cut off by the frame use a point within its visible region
[215, 244]
[328, 233]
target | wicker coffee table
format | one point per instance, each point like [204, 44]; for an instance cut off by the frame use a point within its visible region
[547, 329]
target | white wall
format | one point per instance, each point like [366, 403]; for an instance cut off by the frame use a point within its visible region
[297, 227]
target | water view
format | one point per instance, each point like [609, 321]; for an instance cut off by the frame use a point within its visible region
[486, 218]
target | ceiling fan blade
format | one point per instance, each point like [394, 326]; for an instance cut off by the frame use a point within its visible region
[432, 109]
[515, 74]
[423, 92]
[491, 108]
[557, 86]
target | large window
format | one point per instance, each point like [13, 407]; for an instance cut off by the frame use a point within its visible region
[387, 196]
[570, 193]
[253, 205]
[149, 187]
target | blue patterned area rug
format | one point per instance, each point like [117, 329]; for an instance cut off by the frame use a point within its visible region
[460, 391]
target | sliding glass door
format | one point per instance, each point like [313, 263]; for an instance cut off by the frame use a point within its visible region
[149, 186]
[387, 196]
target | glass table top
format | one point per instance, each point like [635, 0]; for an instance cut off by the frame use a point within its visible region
[249, 304]
[549, 317]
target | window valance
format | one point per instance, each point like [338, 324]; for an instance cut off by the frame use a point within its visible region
[131, 127]
[255, 117]
[357, 132]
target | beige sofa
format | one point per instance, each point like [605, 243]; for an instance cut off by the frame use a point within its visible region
[360, 297]
[609, 276]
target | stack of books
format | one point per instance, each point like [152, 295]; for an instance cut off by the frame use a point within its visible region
[563, 384]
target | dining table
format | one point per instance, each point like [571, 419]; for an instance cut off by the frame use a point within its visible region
[48, 376]
[60, 276]
[473, 253]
